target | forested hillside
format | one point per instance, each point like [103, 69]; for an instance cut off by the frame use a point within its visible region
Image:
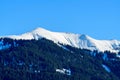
[44, 60]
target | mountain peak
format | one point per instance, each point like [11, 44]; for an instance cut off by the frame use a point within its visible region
[74, 40]
[40, 29]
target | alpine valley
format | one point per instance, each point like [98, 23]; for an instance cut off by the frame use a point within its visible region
[45, 55]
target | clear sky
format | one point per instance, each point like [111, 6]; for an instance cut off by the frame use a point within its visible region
[99, 19]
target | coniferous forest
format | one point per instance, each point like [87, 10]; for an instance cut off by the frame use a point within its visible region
[39, 60]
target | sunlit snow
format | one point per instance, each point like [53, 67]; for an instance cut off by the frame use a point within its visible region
[64, 71]
[75, 40]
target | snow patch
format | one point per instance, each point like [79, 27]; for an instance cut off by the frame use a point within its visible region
[1, 44]
[105, 57]
[106, 68]
[64, 71]
[64, 48]
[118, 55]
[4, 46]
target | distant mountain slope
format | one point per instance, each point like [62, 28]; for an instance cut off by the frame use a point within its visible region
[75, 40]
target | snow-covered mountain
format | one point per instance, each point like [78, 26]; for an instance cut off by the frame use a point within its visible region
[75, 40]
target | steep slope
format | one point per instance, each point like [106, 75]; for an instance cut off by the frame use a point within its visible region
[75, 40]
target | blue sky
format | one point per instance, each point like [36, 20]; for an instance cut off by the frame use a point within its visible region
[99, 19]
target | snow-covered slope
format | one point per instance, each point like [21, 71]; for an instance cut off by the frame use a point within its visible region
[75, 40]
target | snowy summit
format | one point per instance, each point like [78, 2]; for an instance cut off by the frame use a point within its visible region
[75, 40]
